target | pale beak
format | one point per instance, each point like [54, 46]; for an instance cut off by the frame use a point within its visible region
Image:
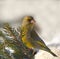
[33, 21]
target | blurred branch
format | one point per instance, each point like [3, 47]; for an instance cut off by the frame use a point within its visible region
[13, 40]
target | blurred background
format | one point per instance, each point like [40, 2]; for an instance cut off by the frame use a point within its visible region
[46, 14]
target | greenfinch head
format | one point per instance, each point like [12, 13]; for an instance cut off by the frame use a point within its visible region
[28, 21]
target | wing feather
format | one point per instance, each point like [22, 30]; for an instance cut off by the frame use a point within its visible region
[36, 38]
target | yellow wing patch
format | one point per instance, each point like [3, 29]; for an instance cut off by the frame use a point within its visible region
[41, 44]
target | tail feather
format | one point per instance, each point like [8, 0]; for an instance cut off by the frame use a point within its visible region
[53, 54]
[48, 50]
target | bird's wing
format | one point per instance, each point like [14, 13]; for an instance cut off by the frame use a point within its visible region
[36, 38]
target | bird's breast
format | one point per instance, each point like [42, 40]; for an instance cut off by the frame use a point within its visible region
[27, 42]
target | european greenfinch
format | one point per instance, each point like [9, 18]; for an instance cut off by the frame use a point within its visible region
[29, 36]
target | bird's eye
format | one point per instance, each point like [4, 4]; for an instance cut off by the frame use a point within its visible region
[29, 20]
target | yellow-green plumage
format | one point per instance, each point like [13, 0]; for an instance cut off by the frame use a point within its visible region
[30, 37]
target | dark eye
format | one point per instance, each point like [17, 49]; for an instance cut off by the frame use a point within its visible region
[29, 20]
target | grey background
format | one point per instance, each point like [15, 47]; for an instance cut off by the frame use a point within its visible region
[45, 12]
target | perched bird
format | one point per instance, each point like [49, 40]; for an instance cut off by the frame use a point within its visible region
[29, 36]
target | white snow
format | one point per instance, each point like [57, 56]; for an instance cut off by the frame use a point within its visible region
[9, 49]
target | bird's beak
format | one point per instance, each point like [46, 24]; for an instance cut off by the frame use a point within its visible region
[33, 21]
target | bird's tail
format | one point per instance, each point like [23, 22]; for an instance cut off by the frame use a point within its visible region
[48, 50]
[53, 53]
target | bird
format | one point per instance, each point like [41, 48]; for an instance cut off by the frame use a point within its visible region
[29, 36]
